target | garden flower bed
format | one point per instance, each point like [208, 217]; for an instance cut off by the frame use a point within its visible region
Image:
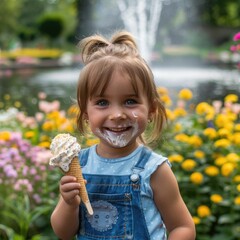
[202, 142]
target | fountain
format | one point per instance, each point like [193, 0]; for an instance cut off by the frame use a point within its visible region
[141, 18]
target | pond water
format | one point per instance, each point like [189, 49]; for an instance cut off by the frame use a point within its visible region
[23, 85]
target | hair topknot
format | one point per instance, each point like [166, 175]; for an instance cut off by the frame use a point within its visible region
[97, 46]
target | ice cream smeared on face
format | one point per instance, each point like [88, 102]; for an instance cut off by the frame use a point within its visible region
[64, 148]
[121, 135]
[134, 115]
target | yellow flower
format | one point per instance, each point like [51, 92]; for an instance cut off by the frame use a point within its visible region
[238, 187]
[223, 132]
[237, 200]
[220, 161]
[210, 115]
[185, 94]
[177, 127]
[212, 171]
[195, 141]
[29, 134]
[48, 126]
[44, 138]
[44, 144]
[199, 154]
[203, 211]
[92, 141]
[180, 112]
[236, 179]
[232, 117]
[196, 220]
[189, 164]
[73, 110]
[54, 115]
[5, 136]
[170, 114]
[236, 138]
[221, 120]
[231, 98]
[175, 158]
[162, 90]
[182, 137]
[7, 97]
[233, 157]
[227, 169]
[210, 133]
[196, 178]
[17, 104]
[237, 127]
[166, 100]
[216, 198]
[222, 143]
[229, 125]
[204, 108]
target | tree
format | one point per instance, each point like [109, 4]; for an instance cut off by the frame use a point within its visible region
[220, 12]
[9, 12]
[51, 26]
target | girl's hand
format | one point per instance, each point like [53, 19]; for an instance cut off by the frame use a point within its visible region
[69, 190]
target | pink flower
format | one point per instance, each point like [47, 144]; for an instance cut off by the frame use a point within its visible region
[42, 157]
[236, 37]
[33, 171]
[23, 184]
[10, 172]
[48, 107]
[37, 198]
[42, 95]
[233, 48]
[39, 116]
[217, 105]
[236, 108]
[30, 122]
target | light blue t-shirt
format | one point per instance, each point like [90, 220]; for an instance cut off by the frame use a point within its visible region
[123, 166]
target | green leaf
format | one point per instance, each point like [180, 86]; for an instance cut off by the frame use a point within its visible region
[8, 231]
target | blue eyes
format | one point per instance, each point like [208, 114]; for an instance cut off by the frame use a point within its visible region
[130, 102]
[104, 103]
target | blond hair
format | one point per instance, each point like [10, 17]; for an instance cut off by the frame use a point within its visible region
[102, 58]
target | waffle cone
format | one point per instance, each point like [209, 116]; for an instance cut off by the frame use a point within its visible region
[76, 171]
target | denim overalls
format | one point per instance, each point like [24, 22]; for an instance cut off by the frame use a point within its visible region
[116, 203]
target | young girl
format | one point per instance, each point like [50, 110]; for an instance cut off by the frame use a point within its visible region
[133, 191]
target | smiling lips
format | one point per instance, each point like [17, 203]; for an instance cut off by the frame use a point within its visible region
[119, 129]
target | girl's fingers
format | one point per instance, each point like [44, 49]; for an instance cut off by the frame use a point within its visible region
[67, 179]
[67, 187]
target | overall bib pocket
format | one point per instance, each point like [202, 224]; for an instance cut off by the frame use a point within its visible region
[112, 218]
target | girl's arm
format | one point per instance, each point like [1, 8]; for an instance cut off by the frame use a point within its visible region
[170, 204]
[65, 217]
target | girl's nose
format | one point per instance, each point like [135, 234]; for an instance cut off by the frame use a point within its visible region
[118, 115]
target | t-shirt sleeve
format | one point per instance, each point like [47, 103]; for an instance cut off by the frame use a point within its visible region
[151, 166]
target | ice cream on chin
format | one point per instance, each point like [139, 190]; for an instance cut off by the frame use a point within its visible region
[65, 150]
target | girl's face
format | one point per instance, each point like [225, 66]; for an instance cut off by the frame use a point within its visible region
[119, 116]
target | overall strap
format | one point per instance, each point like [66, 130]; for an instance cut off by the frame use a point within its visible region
[145, 154]
[139, 166]
[83, 156]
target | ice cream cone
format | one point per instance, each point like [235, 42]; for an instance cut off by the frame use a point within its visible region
[65, 150]
[76, 171]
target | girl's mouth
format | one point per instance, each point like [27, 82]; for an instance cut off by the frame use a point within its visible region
[118, 129]
[118, 136]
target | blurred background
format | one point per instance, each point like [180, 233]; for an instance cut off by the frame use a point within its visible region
[186, 42]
